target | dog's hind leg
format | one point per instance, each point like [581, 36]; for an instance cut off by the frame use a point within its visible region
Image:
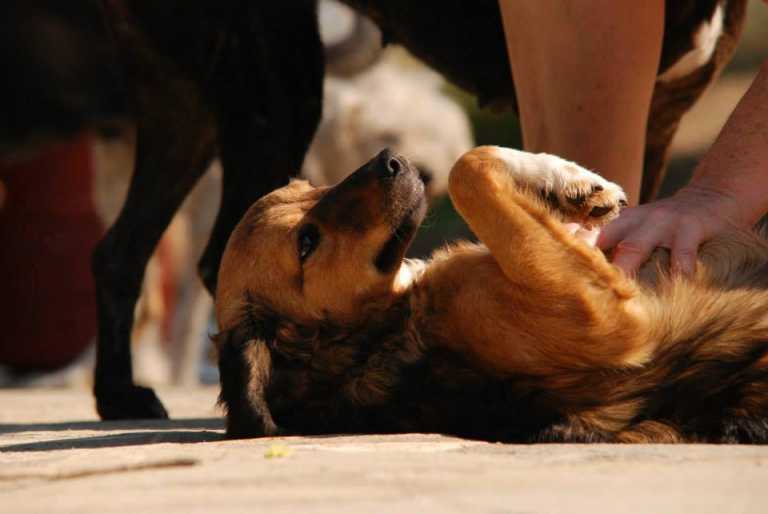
[170, 158]
[268, 92]
[594, 314]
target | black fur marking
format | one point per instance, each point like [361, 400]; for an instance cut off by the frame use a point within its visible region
[247, 414]
[244, 419]
[706, 397]
[744, 431]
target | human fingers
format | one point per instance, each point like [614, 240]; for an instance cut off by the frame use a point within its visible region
[619, 228]
[685, 247]
[631, 252]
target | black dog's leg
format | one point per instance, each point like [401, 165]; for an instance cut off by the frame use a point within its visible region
[269, 96]
[169, 161]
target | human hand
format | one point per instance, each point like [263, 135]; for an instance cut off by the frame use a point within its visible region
[680, 223]
[729, 188]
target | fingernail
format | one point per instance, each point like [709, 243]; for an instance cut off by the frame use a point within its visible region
[624, 266]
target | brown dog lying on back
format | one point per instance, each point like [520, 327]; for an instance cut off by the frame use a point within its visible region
[531, 336]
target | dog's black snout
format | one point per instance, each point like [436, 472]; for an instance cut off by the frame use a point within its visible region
[390, 163]
[393, 166]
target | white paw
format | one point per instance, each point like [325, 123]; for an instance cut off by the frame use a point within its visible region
[579, 194]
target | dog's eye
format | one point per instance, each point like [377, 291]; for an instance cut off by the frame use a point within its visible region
[309, 237]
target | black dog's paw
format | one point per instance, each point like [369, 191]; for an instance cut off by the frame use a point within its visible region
[129, 402]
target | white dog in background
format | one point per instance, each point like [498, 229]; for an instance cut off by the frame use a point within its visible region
[395, 104]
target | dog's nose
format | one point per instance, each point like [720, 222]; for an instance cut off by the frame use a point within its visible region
[393, 166]
[390, 163]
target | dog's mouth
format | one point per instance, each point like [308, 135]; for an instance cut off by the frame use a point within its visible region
[393, 251]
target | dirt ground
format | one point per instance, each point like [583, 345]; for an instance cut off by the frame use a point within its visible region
[55, 457]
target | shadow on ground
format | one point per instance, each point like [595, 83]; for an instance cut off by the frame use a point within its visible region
[136, 433]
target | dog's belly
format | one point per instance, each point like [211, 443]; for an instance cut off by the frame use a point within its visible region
[472, 308]
[529, 326]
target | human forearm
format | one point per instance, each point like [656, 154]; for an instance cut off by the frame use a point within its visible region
[737, 164]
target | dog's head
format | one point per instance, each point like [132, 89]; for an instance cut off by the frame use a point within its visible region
[301, 260]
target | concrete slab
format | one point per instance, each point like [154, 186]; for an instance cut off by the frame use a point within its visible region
[56, 458]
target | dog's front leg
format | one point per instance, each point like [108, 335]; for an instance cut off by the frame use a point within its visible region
[583, 311]
[244, 364]
[170, 157]
[160, 183]
[268, 94]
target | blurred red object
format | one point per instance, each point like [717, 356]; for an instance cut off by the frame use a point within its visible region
[48, 228]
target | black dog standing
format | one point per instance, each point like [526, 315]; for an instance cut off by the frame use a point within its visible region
[239, 79]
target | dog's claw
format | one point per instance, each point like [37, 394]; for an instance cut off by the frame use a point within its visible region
[129, 402]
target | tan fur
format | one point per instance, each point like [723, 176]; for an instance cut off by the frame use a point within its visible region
[531, 301]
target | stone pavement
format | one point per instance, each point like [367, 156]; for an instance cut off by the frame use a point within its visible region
[55, 457]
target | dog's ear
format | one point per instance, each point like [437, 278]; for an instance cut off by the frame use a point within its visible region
[244, 372]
